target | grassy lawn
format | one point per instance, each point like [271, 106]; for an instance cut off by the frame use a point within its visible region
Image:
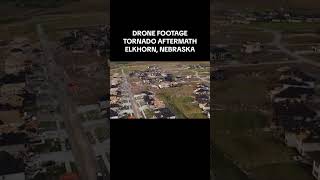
[179, 100]
[113, 71]
[149, 113]
[223, 168]
[238, 122]
[240, 136]
[250, 151]
[292, 171]
[238, 91]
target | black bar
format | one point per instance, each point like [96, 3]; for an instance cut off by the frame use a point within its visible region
[160, 149]
[128, 15]
[167, 148]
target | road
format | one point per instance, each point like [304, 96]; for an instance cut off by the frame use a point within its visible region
[134, 105]
[81, 148]
[277, 42]
[277, 36]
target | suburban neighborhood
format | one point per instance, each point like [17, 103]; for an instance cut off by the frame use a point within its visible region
[53, 126]
[35, 138]
[162, 90]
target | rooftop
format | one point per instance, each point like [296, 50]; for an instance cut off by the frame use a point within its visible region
[164, 113]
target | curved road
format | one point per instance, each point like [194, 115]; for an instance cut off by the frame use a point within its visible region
[277, 42]
[277, 36]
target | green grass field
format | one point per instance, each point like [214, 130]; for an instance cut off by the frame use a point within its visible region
[180, 101]
[250, 91]
[130, 68]
[149, 113]
[241, 137]
[223, 168]
[238, 122]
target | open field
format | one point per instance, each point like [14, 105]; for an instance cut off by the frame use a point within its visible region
[21, 21]
[130, 68]
[238, 122]
[239, 91]
[180, 101]
[226, 168]
[254, 150]
[293, 171]
[240, 136]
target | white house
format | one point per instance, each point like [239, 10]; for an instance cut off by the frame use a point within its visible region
[308, 145]
[315, 156]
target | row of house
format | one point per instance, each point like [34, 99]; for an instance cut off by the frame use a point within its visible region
[295, 116]
[118, 109]
[148, 103]
[153, 107]
[18, 125]
[202, 97]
